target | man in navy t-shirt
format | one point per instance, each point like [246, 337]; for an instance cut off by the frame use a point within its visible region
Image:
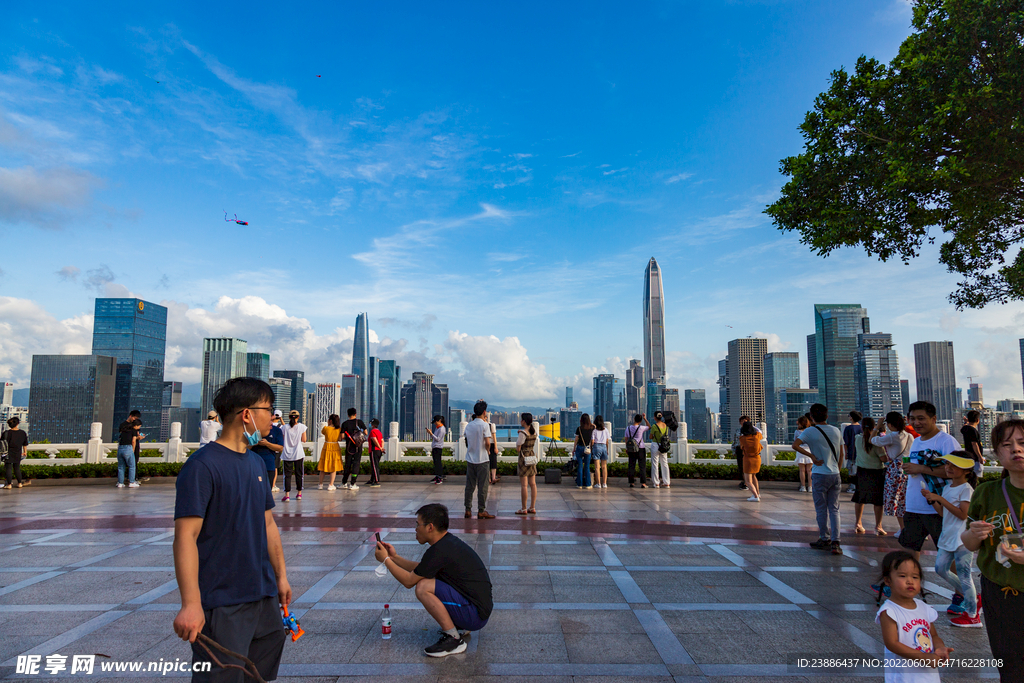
[228, 558]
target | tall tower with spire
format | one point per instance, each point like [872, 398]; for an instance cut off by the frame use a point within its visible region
[654, 324]
[361, 361]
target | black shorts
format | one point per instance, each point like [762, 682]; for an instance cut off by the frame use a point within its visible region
[253, 629]
[918, 527]
[277, 462]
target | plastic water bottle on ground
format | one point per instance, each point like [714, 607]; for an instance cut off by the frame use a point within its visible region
[385, 623]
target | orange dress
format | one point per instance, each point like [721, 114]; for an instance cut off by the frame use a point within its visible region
[751, 446]
[330, 455]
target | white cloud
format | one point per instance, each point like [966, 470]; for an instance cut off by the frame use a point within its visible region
[498, 368]
[775, 343]
[677, 177]
[48, 198]
[27, 329]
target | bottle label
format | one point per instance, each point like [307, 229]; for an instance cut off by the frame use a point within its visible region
[385, 626]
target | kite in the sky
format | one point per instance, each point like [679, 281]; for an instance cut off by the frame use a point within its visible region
[233, 220]
[318, 75]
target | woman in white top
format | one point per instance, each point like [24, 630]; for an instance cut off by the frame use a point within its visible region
[601, 438]
[803, 462]
[293, 454]
[896, 442]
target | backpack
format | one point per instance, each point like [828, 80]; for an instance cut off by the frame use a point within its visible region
[664, 445]
[4, 447]
[632, 446]
[355, 442]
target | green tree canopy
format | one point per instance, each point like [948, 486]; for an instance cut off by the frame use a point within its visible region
[932, 141]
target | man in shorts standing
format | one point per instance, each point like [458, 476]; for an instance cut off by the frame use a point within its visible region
[920, 520]
[228, 558]
[451, 580]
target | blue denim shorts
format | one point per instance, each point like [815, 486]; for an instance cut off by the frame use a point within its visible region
[600, 451]
[463, 613]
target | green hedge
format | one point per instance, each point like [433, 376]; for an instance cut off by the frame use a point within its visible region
[453, 467]
[63, 453]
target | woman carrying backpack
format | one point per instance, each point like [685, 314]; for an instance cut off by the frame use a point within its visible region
[660, 448]
[582, 447]
[750, 442]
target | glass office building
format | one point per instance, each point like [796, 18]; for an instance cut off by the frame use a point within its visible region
[257, 366]
[135, 333]
[781, 371]
[610, 403]
[389, 379]
[836, 327]
[68, 393]
[654, 323]
[698, 420]
[936, 377]
[298, 389]
[878, 376]
[797, 402]
[360, 361]
[224, 358]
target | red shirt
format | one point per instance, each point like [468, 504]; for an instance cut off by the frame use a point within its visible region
[910, 430]
[376, 438]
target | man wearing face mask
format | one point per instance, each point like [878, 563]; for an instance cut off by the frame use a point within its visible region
[228, 558]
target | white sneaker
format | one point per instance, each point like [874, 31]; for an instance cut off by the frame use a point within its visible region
[133, 485]
[803, 489]
[120, 486]
[753, 499]
[346, 486]
[320, 487]
[275, 489]
[332, 487]
[353, 487]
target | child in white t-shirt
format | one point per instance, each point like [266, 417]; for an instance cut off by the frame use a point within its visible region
[907, 622]
[953, 504]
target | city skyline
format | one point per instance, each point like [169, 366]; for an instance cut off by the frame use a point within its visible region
[547, 199]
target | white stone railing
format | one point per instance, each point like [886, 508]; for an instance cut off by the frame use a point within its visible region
[175, 450]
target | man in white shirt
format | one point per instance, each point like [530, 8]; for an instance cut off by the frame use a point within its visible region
[478, 443]
[209, 429]
[925, 469]
[827, 453]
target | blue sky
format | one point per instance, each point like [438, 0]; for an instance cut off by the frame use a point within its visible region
[487, 181]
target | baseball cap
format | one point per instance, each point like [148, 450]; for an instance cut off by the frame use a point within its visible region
[959, 461]
[295, 413]
[277, 413]
[212, 414]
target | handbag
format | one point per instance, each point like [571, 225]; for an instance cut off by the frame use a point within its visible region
[531, 459]
[586, 448]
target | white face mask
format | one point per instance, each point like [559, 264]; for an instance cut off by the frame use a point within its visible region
[382, 570]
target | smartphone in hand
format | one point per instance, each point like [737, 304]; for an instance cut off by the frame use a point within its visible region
[377, 534]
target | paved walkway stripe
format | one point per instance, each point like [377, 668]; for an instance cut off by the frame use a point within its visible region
[155, 594]
[726, 607]
[58, 608]
[786, 591]
[849, 631]
[322, 587]
[105, 556]
[56, 644]
[28, 582]
[665, 642]
[628, 587]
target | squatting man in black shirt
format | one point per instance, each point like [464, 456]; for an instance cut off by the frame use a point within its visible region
[451, 581]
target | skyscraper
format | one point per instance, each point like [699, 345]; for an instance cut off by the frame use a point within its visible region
[936, 376]
[373, 390]
[68, 393]
[568, 396]
[360, 358]
[224, 358]
[723, 395]
[797, 402]
[905, 392]
[326, 402]
[812, 361]
[974, 395]
[135, 333]
[745, 377]
[636, 390]
[170, 409]
[654, 323]
[7, 398]
[877, 369]
[698, 418]
[257, 366]
[781, 371]
[351, 392]
[298, 389]
[389, 377]
[610, 403]
[836, 327]
[421, 399]
[655, 395]
[282, 387]
[1021, 342]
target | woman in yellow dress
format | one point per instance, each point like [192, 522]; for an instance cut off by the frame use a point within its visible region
[330, 456]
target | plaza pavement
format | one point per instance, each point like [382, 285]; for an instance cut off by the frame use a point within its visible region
[685, 584]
